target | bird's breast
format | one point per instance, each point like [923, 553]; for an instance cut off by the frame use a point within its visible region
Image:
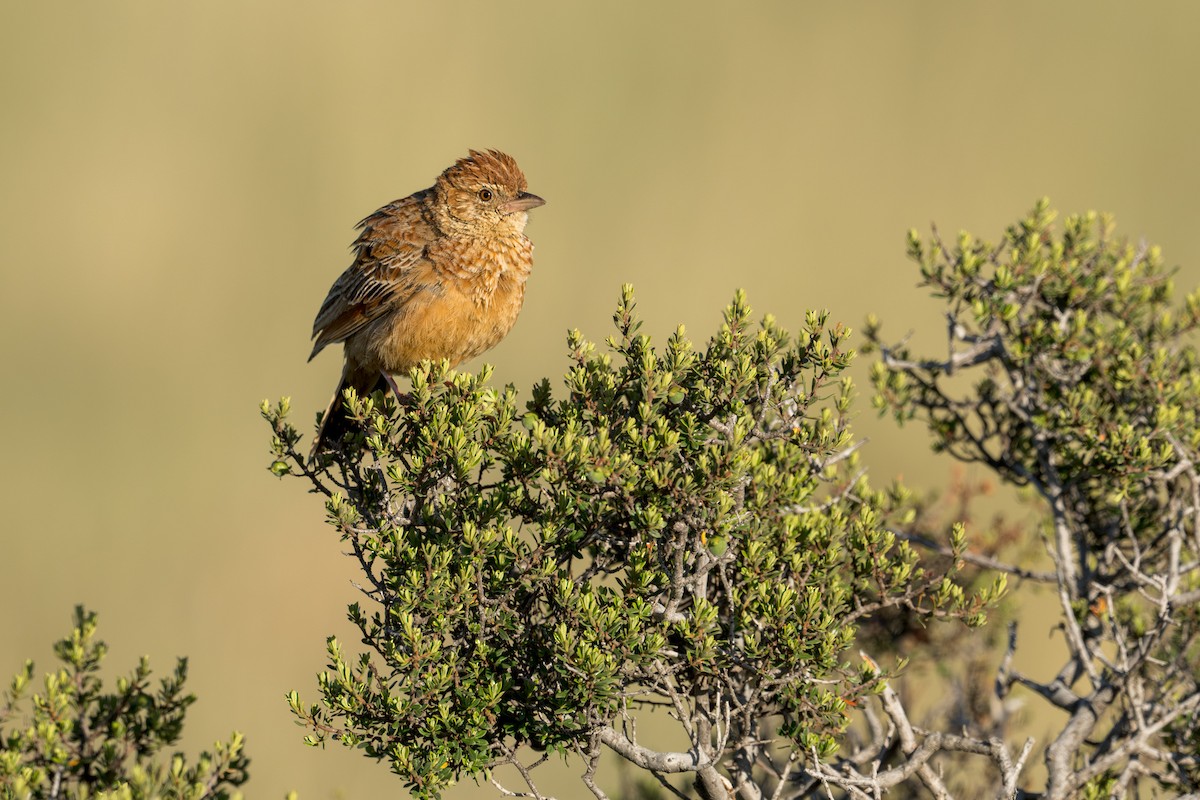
[470, 305]
[477, 265]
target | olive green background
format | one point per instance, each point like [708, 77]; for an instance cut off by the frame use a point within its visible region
[178, 183]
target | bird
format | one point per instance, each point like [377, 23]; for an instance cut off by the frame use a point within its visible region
[439, 274]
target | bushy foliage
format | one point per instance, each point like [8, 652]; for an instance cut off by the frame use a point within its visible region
[1072, 372]
[74, 739]
[680, 529]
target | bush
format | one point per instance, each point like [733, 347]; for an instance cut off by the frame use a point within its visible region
[77, 741]
[681, 530]
[1071, 373]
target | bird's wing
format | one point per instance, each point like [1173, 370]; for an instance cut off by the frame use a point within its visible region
[388, 252]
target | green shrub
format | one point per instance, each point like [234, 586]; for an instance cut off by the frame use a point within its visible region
[678, 529]
[73, 739]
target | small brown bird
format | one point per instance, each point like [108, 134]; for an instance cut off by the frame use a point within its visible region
[438, 274]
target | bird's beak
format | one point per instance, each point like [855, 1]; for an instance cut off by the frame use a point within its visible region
[522, 202]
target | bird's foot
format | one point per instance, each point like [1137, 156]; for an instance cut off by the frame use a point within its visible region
[391, 382]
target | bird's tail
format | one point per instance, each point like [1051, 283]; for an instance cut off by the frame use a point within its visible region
[335, 423]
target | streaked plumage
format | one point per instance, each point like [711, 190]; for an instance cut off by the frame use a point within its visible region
[438, 274]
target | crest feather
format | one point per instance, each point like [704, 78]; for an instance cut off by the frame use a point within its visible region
[487, 166]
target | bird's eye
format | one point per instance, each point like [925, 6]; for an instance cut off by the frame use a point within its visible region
[485, 195]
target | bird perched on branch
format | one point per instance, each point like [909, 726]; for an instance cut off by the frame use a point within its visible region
[438, 274]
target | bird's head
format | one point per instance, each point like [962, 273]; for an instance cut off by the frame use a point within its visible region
[483, 195]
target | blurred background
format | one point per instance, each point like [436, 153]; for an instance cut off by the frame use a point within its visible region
[179, 181]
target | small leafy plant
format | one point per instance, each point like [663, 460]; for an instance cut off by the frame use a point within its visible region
[74, 739]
